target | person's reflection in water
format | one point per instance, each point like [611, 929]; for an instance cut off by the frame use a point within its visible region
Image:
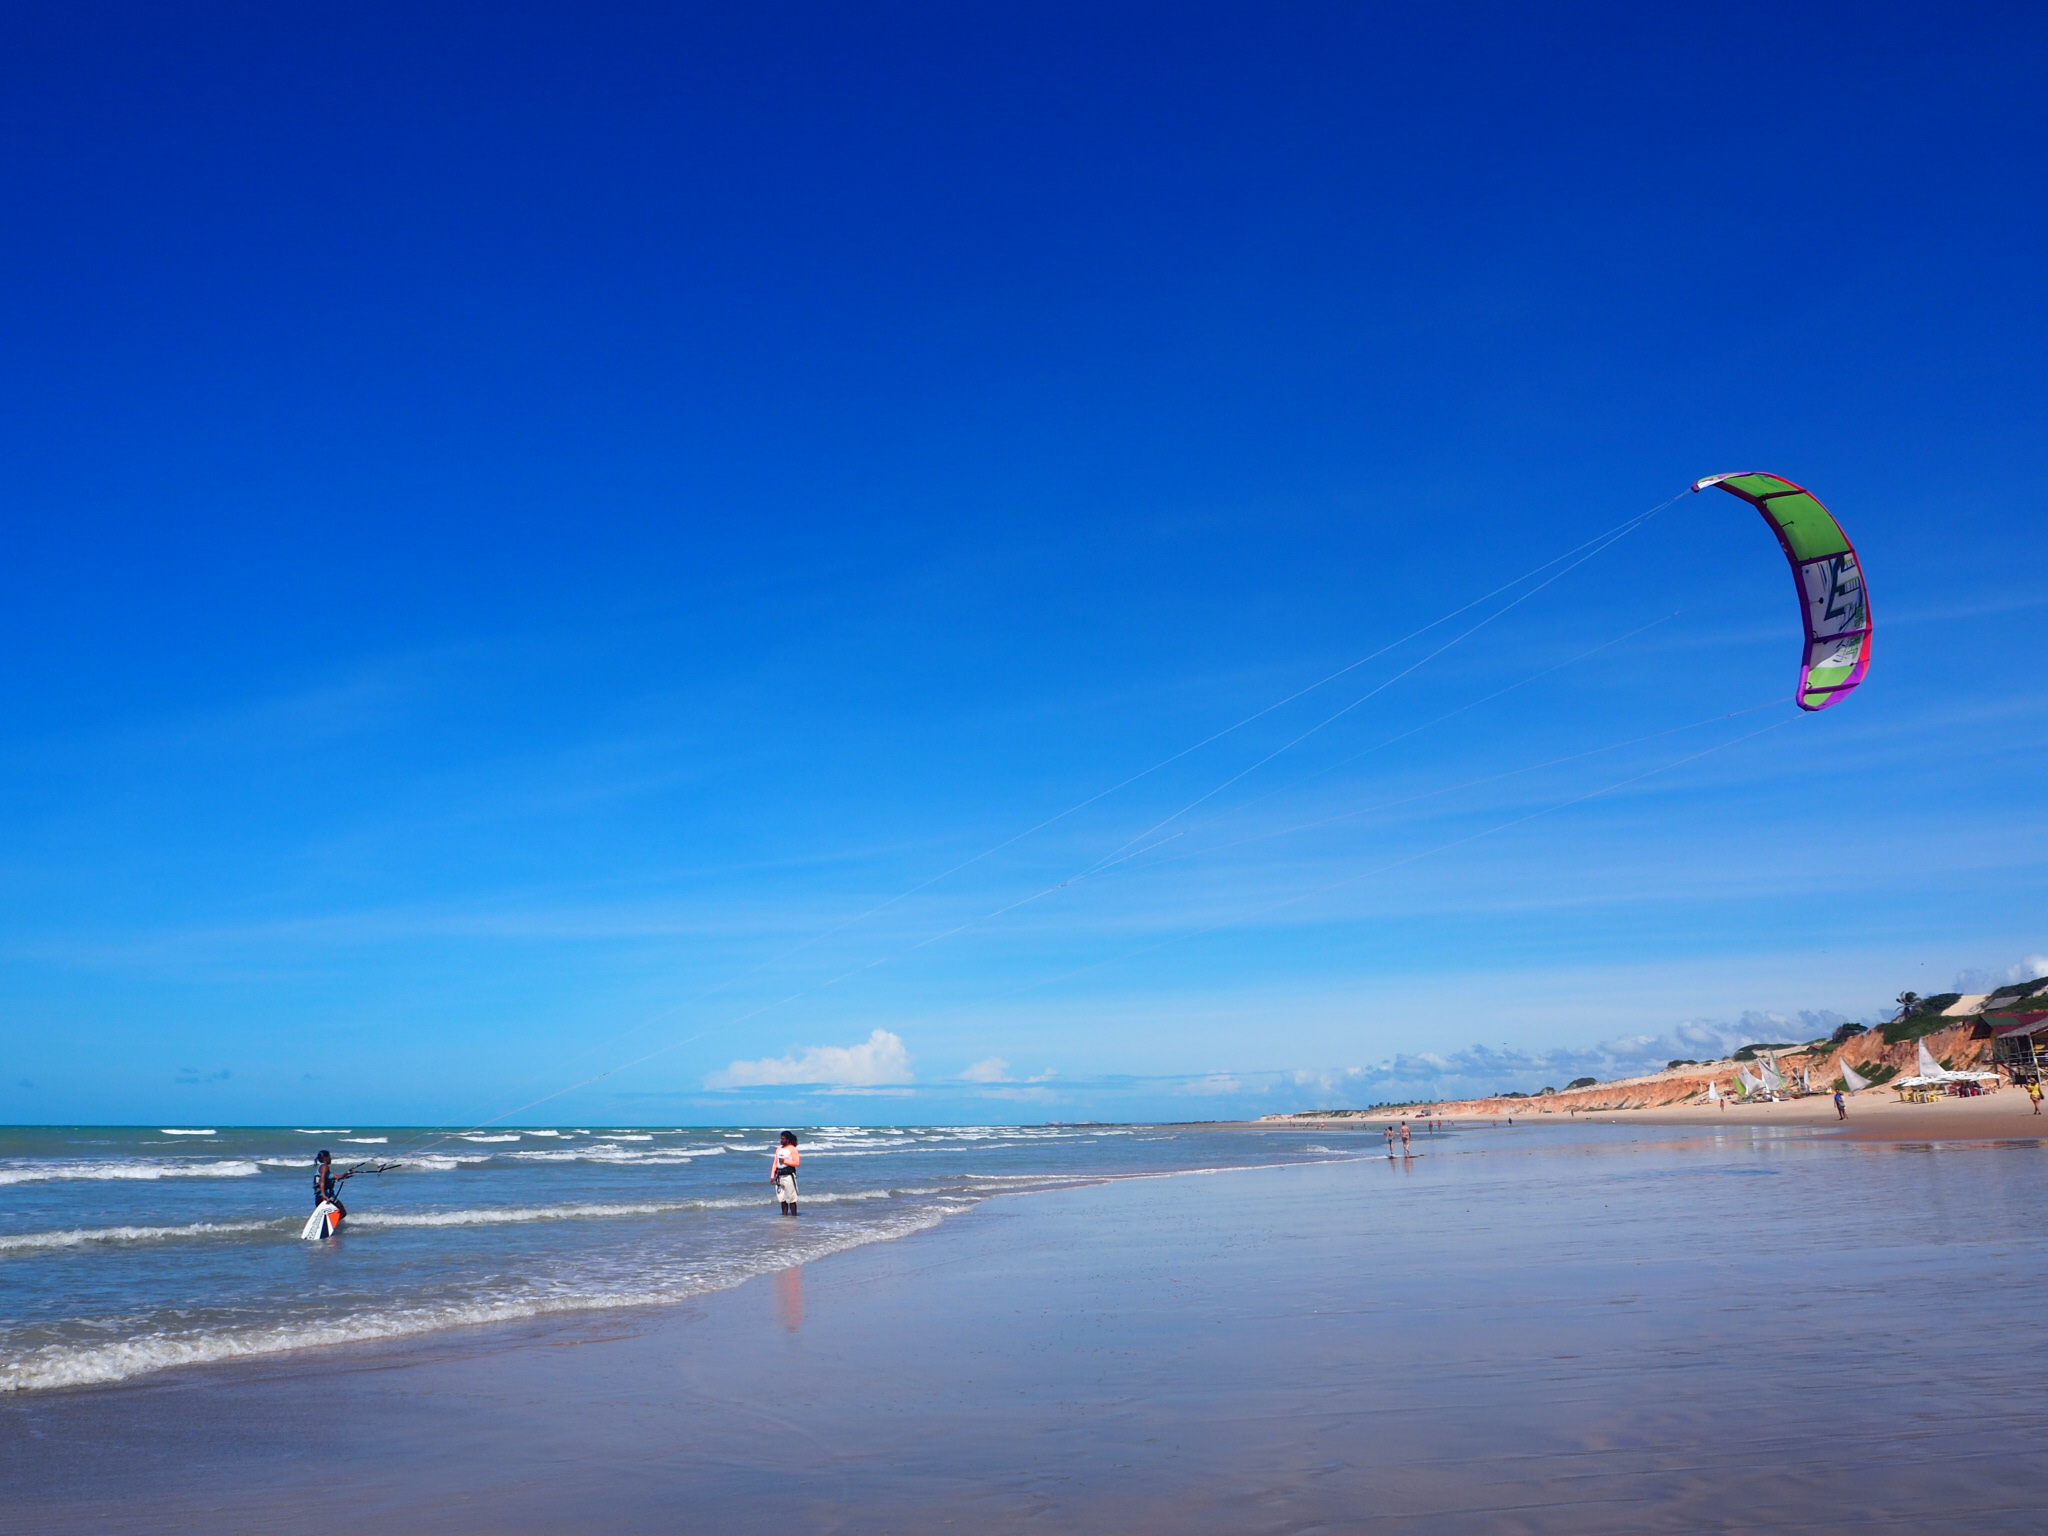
[789, 1297]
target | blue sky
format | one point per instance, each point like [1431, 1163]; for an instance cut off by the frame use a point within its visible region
[548, 541]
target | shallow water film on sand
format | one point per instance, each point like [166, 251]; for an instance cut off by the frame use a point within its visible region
[125, 1250]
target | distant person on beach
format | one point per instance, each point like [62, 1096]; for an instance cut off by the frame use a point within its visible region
[2034, 1093]
[782, 1172]
[1841, 1106]
[1389, 1134]
[1404, 1137]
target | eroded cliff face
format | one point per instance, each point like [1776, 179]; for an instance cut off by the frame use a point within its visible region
[1953, 1046]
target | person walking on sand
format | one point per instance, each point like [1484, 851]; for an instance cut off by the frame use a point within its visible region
[1841, 1106]
[2034, 1093]
[782, 1171]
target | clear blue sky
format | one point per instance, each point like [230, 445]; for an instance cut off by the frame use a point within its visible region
[527, 523]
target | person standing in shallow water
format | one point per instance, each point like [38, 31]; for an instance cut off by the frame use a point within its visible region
[782, 1172]
[326, 1187]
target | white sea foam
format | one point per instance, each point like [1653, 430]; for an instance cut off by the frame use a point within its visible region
[78, 1237]
[40, 1171]
[509, 1136]
[167, 1131]
[490, 1216]
[367, 1141]
[330, 1131]
[69, 1364]
[483, 1216]
[601, 1152]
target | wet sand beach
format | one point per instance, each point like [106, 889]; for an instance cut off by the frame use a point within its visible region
[1570, 1330]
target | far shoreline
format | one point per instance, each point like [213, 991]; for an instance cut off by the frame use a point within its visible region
[1874, 1115]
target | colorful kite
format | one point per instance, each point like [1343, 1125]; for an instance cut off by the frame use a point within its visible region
[1833, 601]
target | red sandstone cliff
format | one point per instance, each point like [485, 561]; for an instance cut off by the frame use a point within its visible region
[1953, 1046]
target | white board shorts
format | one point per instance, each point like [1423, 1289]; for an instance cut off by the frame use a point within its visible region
[785, 1189]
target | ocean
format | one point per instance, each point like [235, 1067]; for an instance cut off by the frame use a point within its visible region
[127, 1250]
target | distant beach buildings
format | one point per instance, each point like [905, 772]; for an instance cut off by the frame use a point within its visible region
[1965, 1037]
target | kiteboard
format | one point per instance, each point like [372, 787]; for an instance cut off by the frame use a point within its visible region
[324, 1222]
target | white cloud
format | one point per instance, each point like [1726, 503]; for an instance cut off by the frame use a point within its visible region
[881, 1058]
[993, 1070]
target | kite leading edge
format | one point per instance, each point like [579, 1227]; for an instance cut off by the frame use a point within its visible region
[1832, 598]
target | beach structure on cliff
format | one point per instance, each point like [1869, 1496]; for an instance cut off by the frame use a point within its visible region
[2017, 1017]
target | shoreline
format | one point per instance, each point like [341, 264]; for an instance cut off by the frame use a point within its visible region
[1289, 1347]
[1874, 1115]
[2005, 1118]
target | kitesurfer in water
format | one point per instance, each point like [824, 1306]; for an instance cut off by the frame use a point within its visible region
[782, 1172]
[327, 1187]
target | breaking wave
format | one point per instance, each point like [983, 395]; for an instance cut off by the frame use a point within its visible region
[43, 1171]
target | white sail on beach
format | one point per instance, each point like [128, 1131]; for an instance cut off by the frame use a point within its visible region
[1855, 1080]
[1768, 1073]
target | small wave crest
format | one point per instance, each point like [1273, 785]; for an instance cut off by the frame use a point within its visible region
[639, 1156]
[79, 1237]
[43, 1172]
